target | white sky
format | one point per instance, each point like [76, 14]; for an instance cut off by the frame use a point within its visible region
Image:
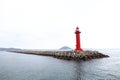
[50, 24]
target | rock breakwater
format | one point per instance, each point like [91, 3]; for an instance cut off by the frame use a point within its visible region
[67, 55]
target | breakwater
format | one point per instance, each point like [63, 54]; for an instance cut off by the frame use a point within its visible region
[67, 55]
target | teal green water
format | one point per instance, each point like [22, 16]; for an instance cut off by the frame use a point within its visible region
[16, 66]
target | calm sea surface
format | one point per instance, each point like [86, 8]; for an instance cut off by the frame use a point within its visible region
[16, 66]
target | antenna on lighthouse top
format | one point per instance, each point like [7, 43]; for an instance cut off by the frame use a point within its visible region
[77, 27]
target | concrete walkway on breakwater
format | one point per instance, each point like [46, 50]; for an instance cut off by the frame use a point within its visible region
[67, 55]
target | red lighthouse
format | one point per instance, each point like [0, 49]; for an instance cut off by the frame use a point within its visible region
[78, 45]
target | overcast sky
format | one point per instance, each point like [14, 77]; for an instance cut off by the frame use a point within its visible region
[50, 24]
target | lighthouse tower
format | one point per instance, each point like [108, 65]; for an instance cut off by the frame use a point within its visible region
[78, 45]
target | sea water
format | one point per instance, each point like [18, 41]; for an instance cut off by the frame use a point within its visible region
[17, 66]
